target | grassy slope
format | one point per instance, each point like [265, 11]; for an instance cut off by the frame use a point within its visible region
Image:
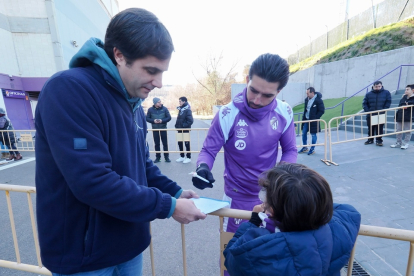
[386, 38]
[352, 106]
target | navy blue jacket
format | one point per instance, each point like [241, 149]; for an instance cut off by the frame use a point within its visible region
[316, 112]
[377, 100]
[256, 251]
[97, 189]
[184, 117]
[158, 113]
[408, 111]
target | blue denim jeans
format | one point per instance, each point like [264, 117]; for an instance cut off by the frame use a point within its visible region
[130, 268]
[305, 135]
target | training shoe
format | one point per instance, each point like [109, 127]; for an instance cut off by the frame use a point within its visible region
[379, 144]
[312, 151]
[167, 160]
[157, 160]
[369, 142]
[405, 146]
[181, 159]
[11, 157]
[18, 157]
[303, 150]
[187, 160]
[396, 145]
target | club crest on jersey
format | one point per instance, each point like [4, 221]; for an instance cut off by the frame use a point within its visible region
[240, 144]
[226, 110]
[242, 123]
[241, 133]
[238, 99]
[289, 110]
[274, 123]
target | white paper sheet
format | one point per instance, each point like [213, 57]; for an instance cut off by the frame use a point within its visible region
[208, 205]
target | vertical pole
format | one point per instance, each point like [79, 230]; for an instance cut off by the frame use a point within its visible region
[399, 78]
[351, 261]
[184, 252]
[152, 254]
[13, 227]
[342, 112]
[410, 260]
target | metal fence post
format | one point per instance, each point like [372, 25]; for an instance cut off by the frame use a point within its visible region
[399, 78]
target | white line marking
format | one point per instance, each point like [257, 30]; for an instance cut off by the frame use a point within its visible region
[17, 163]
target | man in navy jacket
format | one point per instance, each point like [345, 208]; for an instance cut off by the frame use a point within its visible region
[97, 189]
[377, 99]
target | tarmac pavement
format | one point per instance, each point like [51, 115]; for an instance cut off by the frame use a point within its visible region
[376, 180]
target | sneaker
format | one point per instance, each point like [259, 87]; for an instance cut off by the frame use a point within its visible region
[187, 160]
[405, 146]
[369, 142]
[157, 160]
[11, 157]
[167, 160]
[181, 159]
[18, 157]
[303, 150]
[396, 145]
[379, 144]
[312, 151]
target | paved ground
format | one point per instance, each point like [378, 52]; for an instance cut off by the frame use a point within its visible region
[377, 181]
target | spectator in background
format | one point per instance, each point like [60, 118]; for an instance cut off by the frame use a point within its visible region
[184, 120]
[377, 99]
[7, 137]
[158, 115]
[405, 117]
[314, 109]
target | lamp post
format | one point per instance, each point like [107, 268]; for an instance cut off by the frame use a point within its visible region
[310, 46]
[327, 37]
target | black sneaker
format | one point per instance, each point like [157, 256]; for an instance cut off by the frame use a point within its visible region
[167, 160]
[369, 142]
[157, 160]
[379, 144]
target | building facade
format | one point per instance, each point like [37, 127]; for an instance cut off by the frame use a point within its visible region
[38, 38]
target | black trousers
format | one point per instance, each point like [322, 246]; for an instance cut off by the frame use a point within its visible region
[376, 130]
[163, 134]
[187, 146]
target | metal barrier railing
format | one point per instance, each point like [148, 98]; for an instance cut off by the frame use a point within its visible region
[24, 139]
[365, 230]
[377, 118]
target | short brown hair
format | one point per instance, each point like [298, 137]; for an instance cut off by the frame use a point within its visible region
[299, 197]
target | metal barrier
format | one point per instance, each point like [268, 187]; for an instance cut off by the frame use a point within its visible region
[377, 118]
[365, 230]
[24, 139]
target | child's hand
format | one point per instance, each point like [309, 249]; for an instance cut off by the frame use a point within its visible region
[258, 208]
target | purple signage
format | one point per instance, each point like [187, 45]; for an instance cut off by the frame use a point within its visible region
[14, 93]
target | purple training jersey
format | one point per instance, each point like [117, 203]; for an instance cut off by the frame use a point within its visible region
[250, 138]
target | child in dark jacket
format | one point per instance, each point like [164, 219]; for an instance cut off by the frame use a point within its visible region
[296, 231]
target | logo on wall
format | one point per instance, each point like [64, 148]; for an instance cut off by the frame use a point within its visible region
[240, 144]
[242, 123]
[238, 99]
[14, 94]
[241, 133]
[274, 123]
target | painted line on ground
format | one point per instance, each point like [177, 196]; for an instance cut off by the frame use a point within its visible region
[17, 163]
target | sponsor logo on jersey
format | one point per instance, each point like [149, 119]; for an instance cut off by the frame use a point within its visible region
[242, 123]
[238, 99]
[226, 110]
[289, 110]
[274, 123]
[240, 144]
[241, 133]
[237, 221]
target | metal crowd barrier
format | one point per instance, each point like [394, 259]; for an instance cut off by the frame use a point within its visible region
[365, 230]
[24, 139]
[377, 118]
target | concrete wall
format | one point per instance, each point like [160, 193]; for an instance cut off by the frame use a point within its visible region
[384, 13]
[346, 77]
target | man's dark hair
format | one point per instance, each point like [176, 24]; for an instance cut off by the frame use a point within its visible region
[411, 86]
[299, 197]
[377, 82]
[183, 99]
[311, 89]
[271, 68]
[137, 33]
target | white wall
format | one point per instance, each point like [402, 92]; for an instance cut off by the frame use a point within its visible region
[8, 61]
[23, 8]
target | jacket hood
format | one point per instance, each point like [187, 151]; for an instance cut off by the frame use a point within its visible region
[240, 101]
[377, 91]
[319, 94]
[92, 52]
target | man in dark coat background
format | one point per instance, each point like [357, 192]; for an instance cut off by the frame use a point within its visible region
[377, 99]
[314, 109]
[158, 115]
[184, 120]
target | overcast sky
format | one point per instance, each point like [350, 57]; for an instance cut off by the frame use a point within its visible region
[241, 30]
